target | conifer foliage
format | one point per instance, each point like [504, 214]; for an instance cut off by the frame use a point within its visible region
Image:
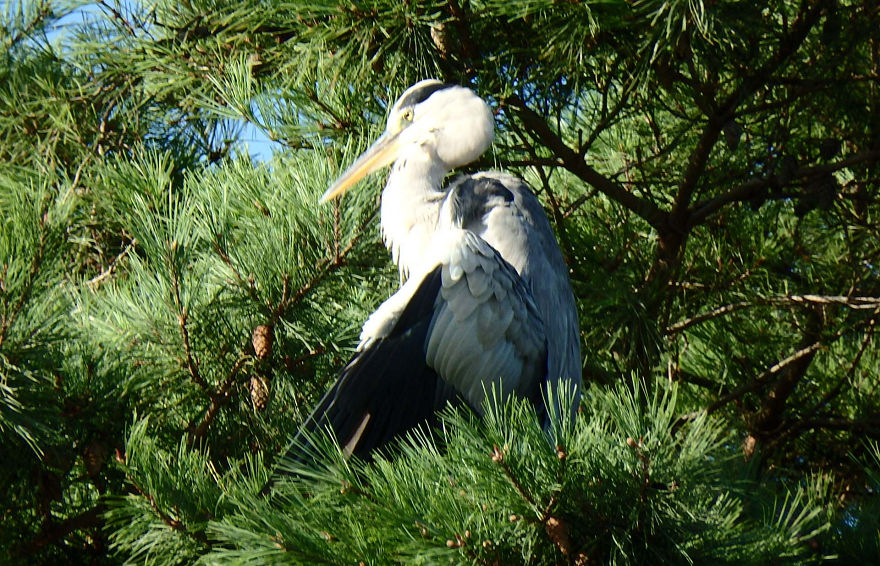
[171, 306]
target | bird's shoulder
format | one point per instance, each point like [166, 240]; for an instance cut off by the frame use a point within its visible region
[471, 197]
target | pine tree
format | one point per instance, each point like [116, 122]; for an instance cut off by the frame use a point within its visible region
[171, 308]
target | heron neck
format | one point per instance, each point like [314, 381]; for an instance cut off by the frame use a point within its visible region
[410, 206]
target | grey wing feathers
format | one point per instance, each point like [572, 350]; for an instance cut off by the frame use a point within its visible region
[502, 210]
[486, 328]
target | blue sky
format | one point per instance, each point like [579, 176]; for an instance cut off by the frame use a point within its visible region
[259, 146]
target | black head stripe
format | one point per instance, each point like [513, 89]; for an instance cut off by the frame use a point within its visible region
[421, 94]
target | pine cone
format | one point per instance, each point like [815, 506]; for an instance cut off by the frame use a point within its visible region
[259, 388]
[262, 340]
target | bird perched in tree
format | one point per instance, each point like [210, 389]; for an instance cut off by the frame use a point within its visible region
[486, 298]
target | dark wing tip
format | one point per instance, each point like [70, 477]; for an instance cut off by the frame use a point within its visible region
[385, 390]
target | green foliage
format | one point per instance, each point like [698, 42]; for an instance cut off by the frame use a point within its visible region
[608, 487]
[170, 307]
[32, 306]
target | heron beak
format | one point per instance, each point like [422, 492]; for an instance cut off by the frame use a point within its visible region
[380, 154]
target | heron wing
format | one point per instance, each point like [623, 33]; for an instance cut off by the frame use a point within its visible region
[386, 388]
[485, 329]
[447, 336]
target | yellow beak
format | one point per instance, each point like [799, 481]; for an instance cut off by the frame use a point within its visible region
[381, 153]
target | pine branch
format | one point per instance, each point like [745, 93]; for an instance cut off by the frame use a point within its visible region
[52, 533]
[693, 173]
[714, 313]
[220, 397]
[765, 377]
[190, 364]
[855, 303]
[573, 163]
[174, 524]
[329, 265]
[757, 187]
[7, 318]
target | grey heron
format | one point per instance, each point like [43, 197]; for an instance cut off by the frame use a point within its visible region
[485, 297]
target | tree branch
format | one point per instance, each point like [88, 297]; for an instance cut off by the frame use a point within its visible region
[754, 187]
[769, 416]
[569, 159]
[855, 303]
[765, 377]
[679, 217]
[809, 419]
[54, 532]
[220, 397]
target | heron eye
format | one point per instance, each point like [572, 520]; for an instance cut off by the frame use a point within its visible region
[408, 115]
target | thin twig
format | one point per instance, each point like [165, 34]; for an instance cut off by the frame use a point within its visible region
[218, 399]
[869, 424]
[755, 187]
[576, 165]
[118, 17]
[578, 202]
[182, 319]
[241, 280]
[175, 524]
[855, 303]
[765, 377]
[498, 458]
[111, 267]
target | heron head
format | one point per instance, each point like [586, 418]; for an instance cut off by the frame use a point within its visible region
[448, 123]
